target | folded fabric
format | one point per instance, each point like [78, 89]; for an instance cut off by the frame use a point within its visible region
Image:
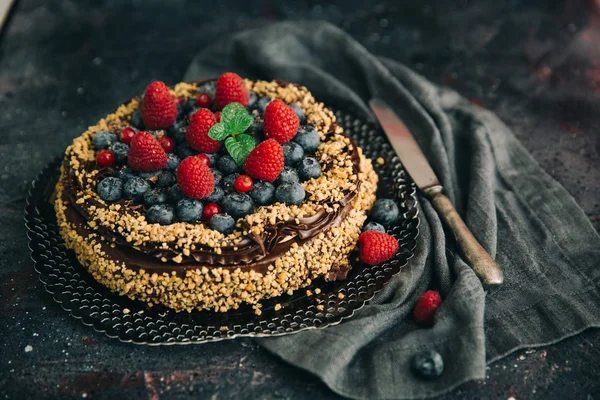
[546, 246]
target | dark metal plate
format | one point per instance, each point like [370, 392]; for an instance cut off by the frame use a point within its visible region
[132, 321]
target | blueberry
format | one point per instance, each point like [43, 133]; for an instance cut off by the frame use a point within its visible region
[103, 140]
[309, 168]
[308, 138]
[257, 128]
[135, 188]
[184, 151]
[177, 132]
[155, 196]
[189, 210]
[385, 212]
[292, 153]
[148, 175]
[160, 214]
[252, 99]
[223, 223]
[228, 183]
[218, 176]
[166, 179]
[136, 119]
[110, 189]
[262, 103]
[299, 112]
[125, 173]
[262, 193]
[213, 158]
[216, 196]
[226, 165]
[290, 193]
[120, 150]
[208, 87]
[238, 205]
[190, 106]
[428, 364]
[287, 175]
[172, 161]
[175, 193]
[373, 226]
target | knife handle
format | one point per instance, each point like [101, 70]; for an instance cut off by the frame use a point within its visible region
[480, 261]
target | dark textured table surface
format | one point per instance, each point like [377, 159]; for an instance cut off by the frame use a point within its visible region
[64, 64]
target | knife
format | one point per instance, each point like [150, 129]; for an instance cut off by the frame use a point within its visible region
[420, 171]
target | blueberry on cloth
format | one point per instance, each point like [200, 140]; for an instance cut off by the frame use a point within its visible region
[216, 196]
[428, 364]
[309, 168]
[229, 183]
[110, 189]
[175, 193]
[292, 153]
[120, 151]
[290, 193]
[155, 196]
[299, 112]
[287, 175]
[166, 179]
[160, 214]
[238, 205]
[226, 165]
[223, 223]
[308, 138]
[125, 173]
[189, 210]
[262, 193]
[385, 212]
[373, 226]
[103, 140]
[172, 161]
[135, 188]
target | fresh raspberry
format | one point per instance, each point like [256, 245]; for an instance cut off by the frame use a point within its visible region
[265, 161]
[218, 116]
[167, 143]
[210, 210]
[204, 158]
[127, 134]
[243, 183]
[197, 132]
[281, 122]
[146, 154]
[203, 100]
[159, 110]
[230, 88]
[194, 178]
[426, 307]
[376, 247]
[105, 158]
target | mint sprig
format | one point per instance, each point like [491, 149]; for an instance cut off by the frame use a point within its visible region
[234, 122]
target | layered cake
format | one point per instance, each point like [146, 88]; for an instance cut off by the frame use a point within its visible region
[208, 195]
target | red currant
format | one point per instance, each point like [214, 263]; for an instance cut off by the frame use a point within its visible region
[127, 134]
[167, 143]
[203, 100]
[210, 210]
[204, 158]
[218, 116]
[105, 158]
[243, 183]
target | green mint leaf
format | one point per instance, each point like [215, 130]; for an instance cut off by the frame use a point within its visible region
[239, 147]
[218, 131]
[236, 118]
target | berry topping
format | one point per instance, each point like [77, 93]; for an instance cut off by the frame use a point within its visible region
[373, 226]
[223, 223]
[203, 100]
[238, 205]
[155, 196]
[265, 161]
[175, 193]
[426, 307]
[290, 193]
[428, 364]
[308, 138]
[288, 175]
[159, 110]
[110, 189]
[127, 134]
[385, 212]
[103, 140]
[172, 161]
[262, 193]
[194, 178]
[376, 247]
[218, 116]
[218, 176]
[167, 143]
[309, 168]
[281, 122]
[160, 214]
[184, 151]
[135, 188]
[230, 88]
[216, 196]
[197, 133]
[146, 154]
[105, 158]
[120, 150]
[204, 158]
[189, 210]
[292, 153]
[227, 165]
[210, 210]
[125, 173]
[229, 182]
[166, 179]
[243, 183]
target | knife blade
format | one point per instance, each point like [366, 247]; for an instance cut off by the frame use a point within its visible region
[415, 163]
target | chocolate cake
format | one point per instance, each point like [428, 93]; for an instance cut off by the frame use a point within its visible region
[136, 204]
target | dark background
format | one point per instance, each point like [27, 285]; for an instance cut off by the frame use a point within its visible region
[65, 64]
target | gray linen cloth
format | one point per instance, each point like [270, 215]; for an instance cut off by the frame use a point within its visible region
[547, 247]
